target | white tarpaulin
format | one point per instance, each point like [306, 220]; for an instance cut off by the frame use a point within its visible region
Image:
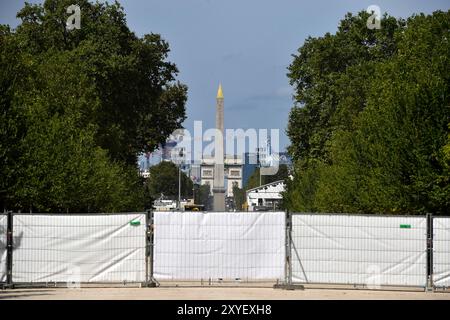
[79, 248]
[227, 245]
[3, 226]
[354, 249]
[441, 252]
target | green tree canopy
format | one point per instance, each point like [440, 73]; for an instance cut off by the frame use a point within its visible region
[164, 180]
[78, 107]
[239, 198]
[135, 101]
[371, 125]
[203, 196]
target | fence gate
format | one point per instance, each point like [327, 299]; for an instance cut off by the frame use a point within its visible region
[441, 252]
[3, 240]
[363, 250]
[79, 248]
[236, 246]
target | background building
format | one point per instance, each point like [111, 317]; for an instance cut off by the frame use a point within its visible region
[267, 197]
[232, 172]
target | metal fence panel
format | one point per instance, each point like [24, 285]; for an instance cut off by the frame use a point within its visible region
[3, 227]
[225, 245]
[441, 252]
[79, 248]
[356, 249]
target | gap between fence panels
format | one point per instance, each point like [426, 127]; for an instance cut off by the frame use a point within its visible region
[323, 250]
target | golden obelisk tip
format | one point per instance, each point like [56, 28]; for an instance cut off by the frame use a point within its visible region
[220, 92]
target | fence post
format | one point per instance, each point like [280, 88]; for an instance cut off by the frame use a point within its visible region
[150, 281]
[288, 248]
[288, 285]
[430, 285]
[9, 250]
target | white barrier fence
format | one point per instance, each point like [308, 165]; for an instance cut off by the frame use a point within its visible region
[354, 249]
[3, 226]
[229, 246]
[79, 248]
[441, 252]
[239, 246]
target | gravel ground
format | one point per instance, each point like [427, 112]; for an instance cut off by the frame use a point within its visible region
[212, 293]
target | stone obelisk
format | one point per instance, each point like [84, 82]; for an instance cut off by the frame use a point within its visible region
[219, 182]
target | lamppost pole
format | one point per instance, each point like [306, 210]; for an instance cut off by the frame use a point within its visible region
[259, 165]
[260, 182]
[181, 154]
[179, 187]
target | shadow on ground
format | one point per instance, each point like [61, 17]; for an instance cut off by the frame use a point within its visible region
[23, 294]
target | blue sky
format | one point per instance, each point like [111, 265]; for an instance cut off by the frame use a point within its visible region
[246, 45]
